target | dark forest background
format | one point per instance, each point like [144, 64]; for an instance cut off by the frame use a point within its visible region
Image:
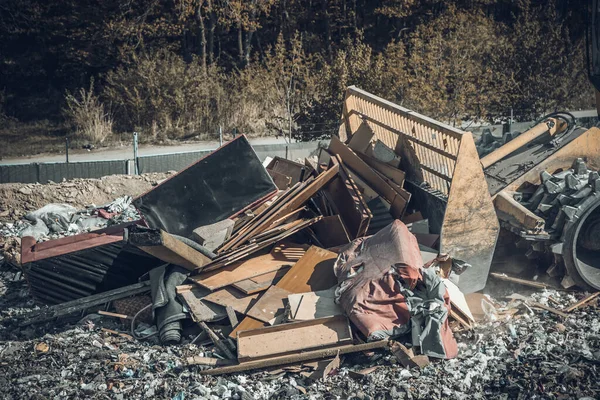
[173, 69]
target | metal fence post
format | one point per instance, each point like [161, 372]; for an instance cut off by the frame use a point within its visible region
[67, 148]
[135, 153]
[220, 136]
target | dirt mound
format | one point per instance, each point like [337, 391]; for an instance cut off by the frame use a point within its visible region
[16, 199]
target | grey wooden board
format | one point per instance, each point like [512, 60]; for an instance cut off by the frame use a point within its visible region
[202, 311]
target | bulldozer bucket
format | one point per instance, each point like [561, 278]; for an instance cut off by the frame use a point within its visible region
[443, 175]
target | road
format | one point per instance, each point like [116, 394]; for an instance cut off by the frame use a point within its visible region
[126, 152]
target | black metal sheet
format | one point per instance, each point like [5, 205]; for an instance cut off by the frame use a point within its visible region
[86, 272]
[216, 187]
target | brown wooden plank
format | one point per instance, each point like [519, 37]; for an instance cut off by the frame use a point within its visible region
[294, 203]
[239, 301]
[294, 170]
[281, 181]
[583, 302]
[269, 305]
[289, 338]
[357, 165]
[349, 204]
[245, 251]
[176, 252]
[239, 271]
[243, 234]
[291, 359]
[261, 282]
[314, 271]
[313, 305]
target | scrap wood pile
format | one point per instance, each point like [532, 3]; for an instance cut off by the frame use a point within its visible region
[311, 261]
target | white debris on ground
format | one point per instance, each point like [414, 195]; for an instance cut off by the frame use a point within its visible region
[523, 354]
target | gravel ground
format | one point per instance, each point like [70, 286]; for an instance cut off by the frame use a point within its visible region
[529, 355]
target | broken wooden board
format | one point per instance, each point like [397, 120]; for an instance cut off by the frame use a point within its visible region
[524, 282]
[313, 272]
[361, 138]
[200, 310]
[291, 359]
[348, 202]
[302, 197]
[397, 200]
[396, 175]
[269, 305]
[281, 181]
[262, 282]
[240, 271]
[173, 251]
[239, 301]
[582, 302]
[245, 251]
[296, 171]
[476, 301]
[331, 231]
[280, 340]
[458, 301]
[313, 305]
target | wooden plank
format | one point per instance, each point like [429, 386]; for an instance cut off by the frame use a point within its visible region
[242, 252]
[291, 359]
[302, 197]
[284, 339]
[176, 252]
[200, 310]
[244, 233]
[583, 302]
[475, 302]
[524, 282]
[281, 181]
[361, 138]
[262, 282]
[366, 191]
[546, 308]
[313, 305]
[395, 174]
[269, 305]
[313, 272]
[348, 203]
[457, 300]
[356, 164]
[239, 301]
[294, 170]
[414, 217]
[331, 231]
[240, 271]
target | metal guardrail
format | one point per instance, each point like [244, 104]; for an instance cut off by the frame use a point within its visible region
[43, 172]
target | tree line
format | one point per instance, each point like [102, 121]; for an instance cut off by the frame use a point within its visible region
[182, 68]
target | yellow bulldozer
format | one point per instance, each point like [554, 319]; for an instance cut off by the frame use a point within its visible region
[539, 191]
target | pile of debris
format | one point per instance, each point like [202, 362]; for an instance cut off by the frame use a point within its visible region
[290, 274]
[383, 241]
